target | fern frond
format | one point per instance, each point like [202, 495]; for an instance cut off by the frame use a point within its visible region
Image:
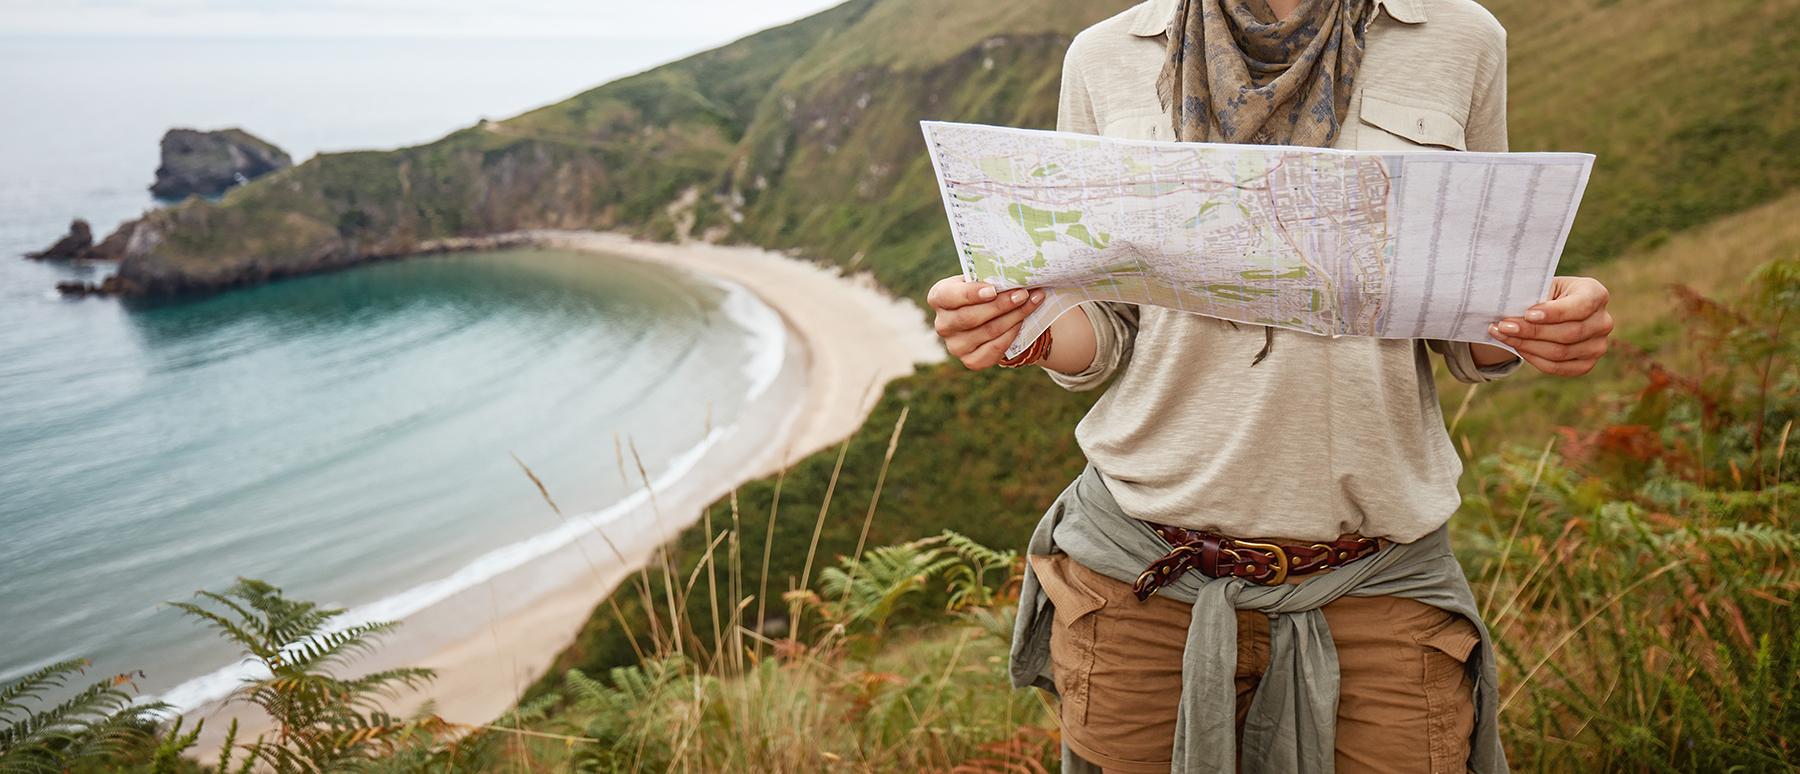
[531, 709]
[95, 707]
[362, 690]
[321, 650]
[253, 752]
[634, 684]
[104, 740]
[174, 743]
[322, 723]
[91, 726]
[225, 749]
[252, 643]
[1764, 536]
[277, 618]
[972, 551]
[32, 686]
[588, 692]
[360, 737]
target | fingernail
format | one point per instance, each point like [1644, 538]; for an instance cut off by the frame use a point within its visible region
[1037, 296]
[1535, 315]
[1019, 296]
[1509, 328]
[987, 292]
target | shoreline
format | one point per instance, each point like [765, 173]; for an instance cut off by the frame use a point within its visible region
[854, 333]
[848, 339]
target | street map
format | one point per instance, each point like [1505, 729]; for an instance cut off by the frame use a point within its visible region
[1390, 244]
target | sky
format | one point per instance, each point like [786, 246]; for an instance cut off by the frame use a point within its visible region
[710, 20]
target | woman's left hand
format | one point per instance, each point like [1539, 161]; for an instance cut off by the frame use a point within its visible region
[1566, 335]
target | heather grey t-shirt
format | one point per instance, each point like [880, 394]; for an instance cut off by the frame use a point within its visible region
[1326, 436]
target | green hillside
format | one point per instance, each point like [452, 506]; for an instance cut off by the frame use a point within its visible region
[805, 137]
[1693, 109]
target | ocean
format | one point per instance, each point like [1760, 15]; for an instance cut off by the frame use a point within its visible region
[354, 438]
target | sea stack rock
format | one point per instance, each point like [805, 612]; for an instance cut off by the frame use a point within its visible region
[207, 163]
[77, 244]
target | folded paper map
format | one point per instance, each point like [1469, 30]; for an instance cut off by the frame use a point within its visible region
[1390, 244]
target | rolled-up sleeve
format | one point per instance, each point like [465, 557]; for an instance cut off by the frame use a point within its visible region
[1460, 359]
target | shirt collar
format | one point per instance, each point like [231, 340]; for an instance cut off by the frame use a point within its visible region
[1153, 17]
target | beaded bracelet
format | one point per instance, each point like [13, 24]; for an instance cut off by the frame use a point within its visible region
[1038, 350]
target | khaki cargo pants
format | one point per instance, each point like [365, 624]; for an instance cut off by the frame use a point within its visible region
[1406, 699]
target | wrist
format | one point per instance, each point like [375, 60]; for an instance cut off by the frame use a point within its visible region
[1489, 355]
[1075, 343]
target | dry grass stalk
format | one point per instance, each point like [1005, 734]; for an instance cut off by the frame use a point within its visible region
[594, 569]
[818, 527]
[880, 481]
[762, 594]
[1487, 604]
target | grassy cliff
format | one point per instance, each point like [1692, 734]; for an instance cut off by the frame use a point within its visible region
[805, 137]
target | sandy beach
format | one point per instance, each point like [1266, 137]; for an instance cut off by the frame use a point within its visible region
[856, 335]
[848, 339]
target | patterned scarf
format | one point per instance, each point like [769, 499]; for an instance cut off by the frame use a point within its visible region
[1232, 78]
[1287, 82]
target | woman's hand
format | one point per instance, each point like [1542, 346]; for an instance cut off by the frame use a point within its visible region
[977, 322]
[1565, 335]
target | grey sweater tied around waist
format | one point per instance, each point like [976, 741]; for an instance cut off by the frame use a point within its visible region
[1292, 723]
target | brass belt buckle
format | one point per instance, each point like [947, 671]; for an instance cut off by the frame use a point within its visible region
[1148, 576]
[1281, 559]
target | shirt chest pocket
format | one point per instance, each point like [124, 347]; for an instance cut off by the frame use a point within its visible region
[1139, 125]
[1414, 123]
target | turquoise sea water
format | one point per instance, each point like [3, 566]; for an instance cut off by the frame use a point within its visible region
[349, 437]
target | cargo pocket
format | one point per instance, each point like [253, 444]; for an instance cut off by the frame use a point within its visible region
[1418, 124]
[1073, 632]
[1449, 691]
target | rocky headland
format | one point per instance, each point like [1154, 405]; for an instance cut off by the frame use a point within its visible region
[800, 138]
[208, 163]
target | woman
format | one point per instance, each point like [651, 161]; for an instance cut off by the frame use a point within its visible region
[1256, 558]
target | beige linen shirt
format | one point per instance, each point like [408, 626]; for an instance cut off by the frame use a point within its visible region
[1326, 436]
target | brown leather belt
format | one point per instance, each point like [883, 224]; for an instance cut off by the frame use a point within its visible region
[1267, 564]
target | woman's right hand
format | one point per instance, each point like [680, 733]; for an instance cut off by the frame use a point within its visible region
[977, 322]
